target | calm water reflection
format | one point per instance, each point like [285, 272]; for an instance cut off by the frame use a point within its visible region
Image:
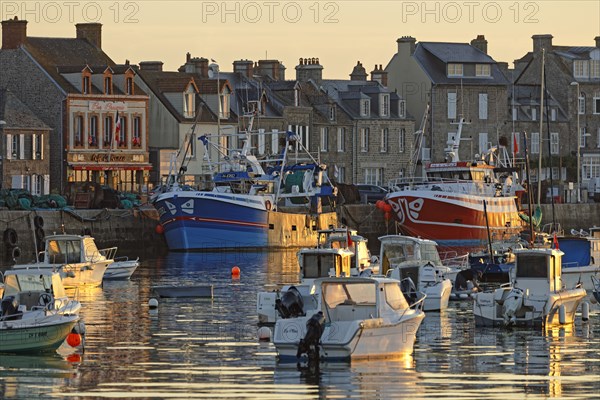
[208, 348]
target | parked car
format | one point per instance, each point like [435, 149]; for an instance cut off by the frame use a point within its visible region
[371, 193]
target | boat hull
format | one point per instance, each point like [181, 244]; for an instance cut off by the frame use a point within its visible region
[454, 219]
[75, 275]
[438, 296]
[200, 221]
[572, 276]
[16, 336]
[121, 269]
[344, 341]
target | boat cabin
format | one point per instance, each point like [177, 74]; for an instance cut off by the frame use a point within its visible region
[538, 270]
[71, 249]
[337, 238]
[460, 171]
[32, 288]
[408, 254]
[321, 263]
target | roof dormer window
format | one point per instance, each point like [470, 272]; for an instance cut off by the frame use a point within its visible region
[384, 105]
[455, 69]
[86, 85]
[365, 108]
[482, 70]
[189, 102]
[107, 84]
[402, 109]
[129, 85]
[332, 112]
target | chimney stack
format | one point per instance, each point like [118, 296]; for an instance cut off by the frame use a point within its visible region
[151, 66]
[379, 75]
[542, 42]
[309, 68]
[244, 67]
[271, 68]
[597, 39]
[406, 44]
[480, 43]
[359, 73]
[92, 32]
[14, 33]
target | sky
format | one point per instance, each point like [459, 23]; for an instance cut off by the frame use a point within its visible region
[339, 33]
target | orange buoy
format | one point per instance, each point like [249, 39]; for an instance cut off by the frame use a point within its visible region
[159, 229]
[73, 339]
[74, 358]
[235, 272]
[387, 216]
[387, 208]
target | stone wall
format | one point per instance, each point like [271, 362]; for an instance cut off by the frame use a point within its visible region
[133, 231]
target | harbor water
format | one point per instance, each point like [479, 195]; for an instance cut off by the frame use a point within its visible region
[200, 348]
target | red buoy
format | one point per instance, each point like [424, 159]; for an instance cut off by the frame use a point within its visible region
[73, 339]
[159, 229]
[235, 272]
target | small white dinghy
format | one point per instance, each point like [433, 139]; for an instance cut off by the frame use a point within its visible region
[356, 318]
[536, 295]
[122, 267]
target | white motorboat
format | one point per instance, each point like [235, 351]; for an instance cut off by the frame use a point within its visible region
[35, 313]
[337, 238]
[356, 318]
[76, 257]
[121, 267]
[295, 300]
[405, 257]
[536, 295]
[581, 260]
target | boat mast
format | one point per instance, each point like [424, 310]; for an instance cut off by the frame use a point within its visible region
[418, 142]
[539, 194]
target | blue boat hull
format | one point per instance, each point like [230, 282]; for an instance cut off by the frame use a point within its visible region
[205, 222]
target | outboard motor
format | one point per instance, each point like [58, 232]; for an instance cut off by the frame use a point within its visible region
[291, 304]
[9, 308]
[409, 289]
[310, 344]
[511, 306]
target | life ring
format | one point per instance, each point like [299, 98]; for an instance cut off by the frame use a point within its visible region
[268, 205]
[38, 221]
[10, 237]
[16, 252]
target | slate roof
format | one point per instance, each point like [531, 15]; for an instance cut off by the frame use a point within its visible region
[16, 114]
[529, 95]
[433, 57]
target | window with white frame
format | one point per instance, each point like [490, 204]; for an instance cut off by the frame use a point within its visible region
[339, 173]
[364, 140]
[535, 143]
[583, 136]
[262, 144]
[108, 129]
[136, 140]
[402, 140]
[455, 69]
[483, 106]
[93, 133]
[383, 146]
[402, 109]
[129, 85]
[302, 132]
[341, 139]
[78, 134]
[483, 141]
[581, 106]
[482, 70]
[37, 147]
[596, 102]
[39, 184]
[580, 68]
[324, 139]
[385, 105]
[365, 108]
[332, 112]
[533, 113]
[224, 104]
[87, 86]
[594, 68]
[374, 176]
[451, 105]
[15, 147]
[554, 147]
[107, 85]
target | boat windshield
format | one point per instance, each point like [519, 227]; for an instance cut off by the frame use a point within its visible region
[318, 265]
[394, 296]
[349, 293]
[15, 284]
[64, 251]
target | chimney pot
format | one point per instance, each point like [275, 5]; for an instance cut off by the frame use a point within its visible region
[92, 32]
[14, 33]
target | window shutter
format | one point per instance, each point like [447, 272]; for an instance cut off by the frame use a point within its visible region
[33, 146]
[46, 184]
[17, 182]
[8, 147]
[21, 147]
[483, 106]
[451, 105]
[41, 149]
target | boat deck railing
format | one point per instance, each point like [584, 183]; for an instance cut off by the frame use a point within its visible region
[109, 252]
[445, 185]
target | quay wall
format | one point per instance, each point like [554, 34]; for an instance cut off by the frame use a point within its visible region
[133, 231]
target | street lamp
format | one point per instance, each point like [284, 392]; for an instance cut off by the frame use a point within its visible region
[576, 84]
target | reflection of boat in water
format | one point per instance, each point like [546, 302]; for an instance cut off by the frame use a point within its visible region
[47, 365]
[358, 318]
[535, 296]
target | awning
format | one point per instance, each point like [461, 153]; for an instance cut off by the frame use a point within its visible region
[109, 166]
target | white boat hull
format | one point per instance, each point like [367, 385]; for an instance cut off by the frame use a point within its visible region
[438, 296]
[75, 275]
[573, 275]
[37, 335]
[351, 340]
[121, 269]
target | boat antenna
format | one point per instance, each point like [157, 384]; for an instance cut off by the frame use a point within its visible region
[529, 192]
[487, 228]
